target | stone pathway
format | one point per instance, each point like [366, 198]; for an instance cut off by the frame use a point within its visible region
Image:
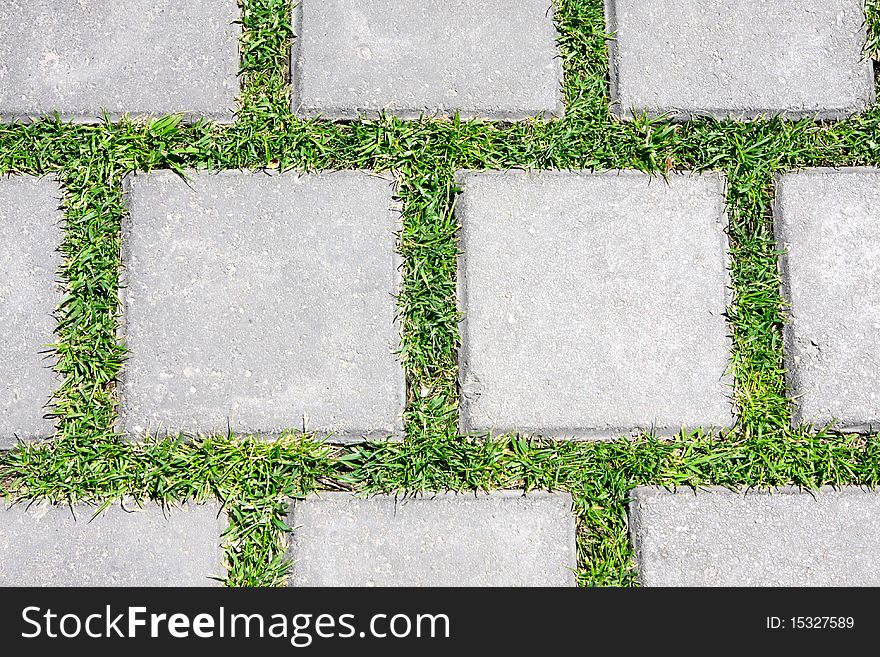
[739, 59]
[261, 303]
[631, 337]
[594, 305]
[29, 294]
[356, 57]
[719, 537]
[499, 539]
[125, 545]
[138, 57]
[828, 226]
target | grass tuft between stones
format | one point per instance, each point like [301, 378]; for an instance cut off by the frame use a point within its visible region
[86, 460]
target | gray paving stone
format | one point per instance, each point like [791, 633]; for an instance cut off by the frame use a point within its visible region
[718, 537]
[594, 304]
[828, 226]
[500, 539]
[136, 57]
[30, 235]
[126, 545]
[262, 301]
[739, 59]
[490, 59]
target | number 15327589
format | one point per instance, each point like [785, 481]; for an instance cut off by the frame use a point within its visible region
[811, 623]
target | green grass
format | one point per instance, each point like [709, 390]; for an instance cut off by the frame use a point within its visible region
[86, 460]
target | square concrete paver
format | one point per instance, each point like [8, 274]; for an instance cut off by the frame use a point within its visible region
[787, 537]
[492, 59]
[31, 233]
[739, 59]
[137, 57]
[594, 304]
[126, 545]
[263, 303]
[448, 539]
[828, 227]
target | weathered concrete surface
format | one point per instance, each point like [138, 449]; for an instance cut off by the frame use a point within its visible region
[126, 545]
[137, 57]
[594, 304]
[739, 59]
[500, 539]
[31, 233]
[263, 303]
[828, 227]
[717, 537]
[491, 59]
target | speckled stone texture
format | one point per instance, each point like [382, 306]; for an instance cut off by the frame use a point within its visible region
[594, 304]
[739, 59]
[786, 537]
[126, 545]
[137, 57]
[264, 301]
[828, 227]
[498, 539]
[492, 59]
[30, 235]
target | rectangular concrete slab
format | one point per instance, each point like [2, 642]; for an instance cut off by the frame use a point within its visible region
[490, 59]
[500, 539]
[828, 229]
[594, 304]
[125, 545]
[786, 537]
[81, 58]
[31, 233]
[739, 59]
[261, 303]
